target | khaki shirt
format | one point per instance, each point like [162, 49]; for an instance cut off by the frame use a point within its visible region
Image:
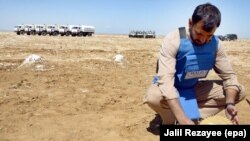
[167, 62]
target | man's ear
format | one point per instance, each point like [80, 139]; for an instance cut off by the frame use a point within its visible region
[190, 23]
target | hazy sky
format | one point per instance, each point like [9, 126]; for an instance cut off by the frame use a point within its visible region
[121, 16]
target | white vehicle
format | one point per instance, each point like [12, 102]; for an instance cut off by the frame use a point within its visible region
[73, 30]
[40, 30]
[52, 30]
[149, 34]
[29, 29]
[86, 30]
[63, 30]
[19, 29]
[132, 34]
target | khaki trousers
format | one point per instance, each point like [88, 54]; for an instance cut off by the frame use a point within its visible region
[210, 96]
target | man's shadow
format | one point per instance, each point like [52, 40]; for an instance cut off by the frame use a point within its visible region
[154, 125]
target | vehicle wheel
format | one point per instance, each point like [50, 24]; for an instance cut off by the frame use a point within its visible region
[67, 33]
[55, 33]
[32, 33]
[44, 33]
[80, 34]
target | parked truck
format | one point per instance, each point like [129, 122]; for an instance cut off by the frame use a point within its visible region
[86, 30]
[81, 30]
[228, 37]
[40, 30]
[52, 30]
[73, 30]
[19, 29]
[64, 30]
[149, 34]
[29, 29]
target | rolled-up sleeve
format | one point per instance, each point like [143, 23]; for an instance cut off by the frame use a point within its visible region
[224, 69]
[166, 73]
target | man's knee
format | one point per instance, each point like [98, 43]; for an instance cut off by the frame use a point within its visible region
[153, 95]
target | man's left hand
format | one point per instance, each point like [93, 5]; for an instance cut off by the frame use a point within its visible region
[231, 113]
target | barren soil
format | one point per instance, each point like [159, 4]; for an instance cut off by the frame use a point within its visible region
[78, 93]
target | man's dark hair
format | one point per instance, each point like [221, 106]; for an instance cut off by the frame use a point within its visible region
[209, 13]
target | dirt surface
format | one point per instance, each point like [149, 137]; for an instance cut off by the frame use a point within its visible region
[76, 92]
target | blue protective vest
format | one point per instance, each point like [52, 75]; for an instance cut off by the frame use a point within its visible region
[192, 62]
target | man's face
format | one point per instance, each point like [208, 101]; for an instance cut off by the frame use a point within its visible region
[198, 35]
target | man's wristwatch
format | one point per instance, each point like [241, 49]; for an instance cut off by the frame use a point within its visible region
[229, 104]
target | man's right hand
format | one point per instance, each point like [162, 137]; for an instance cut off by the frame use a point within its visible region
[179, 113]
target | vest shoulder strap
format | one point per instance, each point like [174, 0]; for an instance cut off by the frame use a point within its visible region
[183, 35]
[182, 31]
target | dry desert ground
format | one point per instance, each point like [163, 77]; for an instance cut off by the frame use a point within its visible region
[76, 92]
